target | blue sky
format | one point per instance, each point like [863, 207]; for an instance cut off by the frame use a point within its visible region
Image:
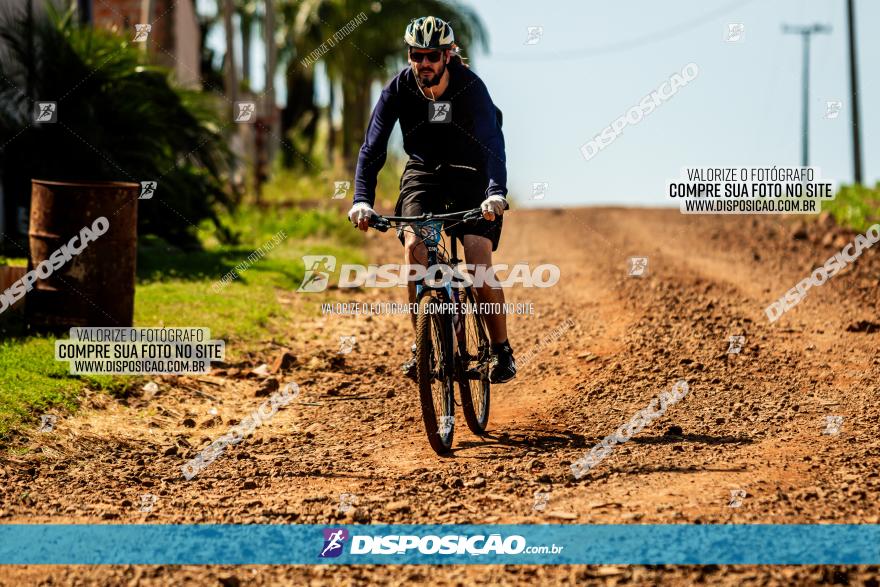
[595, 60]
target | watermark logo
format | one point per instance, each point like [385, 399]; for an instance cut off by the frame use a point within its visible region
[340, 189]
[148, 188]
[457, 309]
[56, 260]
[655, 409]
[47, 422]
[139, 351]
[318, 270]
[245, 112]
[539, 190]
[735, 32]
[150, 390]
[46, 112]
[265, 412]
[534, 35]
[239, 269]
[832, 109]
[346, 344]
[540, 500]
[749, 190]
[446, 424]
[832, 425]
[347, 502]
[440, 112]
[735, 344]
[331, 42]
[552, 336]
[664, 92]
[334, 539]
[638, 266]
[832, 266]
[449, 544]
[736, 498]
[148, 500]
[141, 32]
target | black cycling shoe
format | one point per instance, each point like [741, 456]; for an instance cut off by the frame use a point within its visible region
[502, 366]
[409, 368]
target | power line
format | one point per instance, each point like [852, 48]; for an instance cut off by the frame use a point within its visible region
[586, 52]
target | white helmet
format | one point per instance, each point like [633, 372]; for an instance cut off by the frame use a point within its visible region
[429, 32]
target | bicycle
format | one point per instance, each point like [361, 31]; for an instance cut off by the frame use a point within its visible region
[451, 340]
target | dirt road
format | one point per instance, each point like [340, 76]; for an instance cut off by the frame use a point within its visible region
[756, 440]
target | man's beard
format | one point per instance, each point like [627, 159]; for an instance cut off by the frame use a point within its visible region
[432, 81]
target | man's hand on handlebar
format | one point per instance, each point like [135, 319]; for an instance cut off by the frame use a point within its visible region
[364, 217]
[360, 215]
[492, 206]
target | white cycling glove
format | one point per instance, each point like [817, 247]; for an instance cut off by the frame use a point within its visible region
[494, 205]
[360, 211]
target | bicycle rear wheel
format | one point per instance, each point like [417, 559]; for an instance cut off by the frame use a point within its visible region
[473, 369]
[435, 371]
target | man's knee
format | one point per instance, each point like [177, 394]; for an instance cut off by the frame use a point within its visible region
[414, 250]
[477, 249]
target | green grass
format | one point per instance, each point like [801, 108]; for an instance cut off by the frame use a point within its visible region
[13, 261]
[33, 382]
[246, 312]
[287, 187]
[856, 207]
[174, 288]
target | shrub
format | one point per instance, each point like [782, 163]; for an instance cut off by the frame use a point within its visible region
[119, 118]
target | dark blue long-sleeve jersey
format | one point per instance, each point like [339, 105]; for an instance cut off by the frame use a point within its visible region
[473, 137]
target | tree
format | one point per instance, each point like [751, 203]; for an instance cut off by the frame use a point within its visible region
[374, 51]
[229, 60]
[120, 119]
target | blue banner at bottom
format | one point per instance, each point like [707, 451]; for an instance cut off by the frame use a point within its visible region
[228, 544]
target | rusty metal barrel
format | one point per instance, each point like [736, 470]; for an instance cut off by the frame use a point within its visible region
[87, 276]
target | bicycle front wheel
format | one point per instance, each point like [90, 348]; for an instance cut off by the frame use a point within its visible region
[435, 371]
[473, 369]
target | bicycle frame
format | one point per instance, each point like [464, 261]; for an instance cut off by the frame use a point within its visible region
[455, 355]
[428, 227]
[429, 231]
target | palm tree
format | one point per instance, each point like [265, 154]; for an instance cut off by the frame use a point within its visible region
[301, 24]
[136, 122]
[372, 52]
[248, 15]
[229, 59]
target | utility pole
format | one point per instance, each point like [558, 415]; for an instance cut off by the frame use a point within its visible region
[854, 90]
[805, 32]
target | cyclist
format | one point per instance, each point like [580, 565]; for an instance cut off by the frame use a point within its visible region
[452, 134]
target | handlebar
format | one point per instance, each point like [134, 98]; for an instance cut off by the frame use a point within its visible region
[383, 223]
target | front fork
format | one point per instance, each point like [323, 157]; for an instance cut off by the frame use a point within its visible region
[455, 334]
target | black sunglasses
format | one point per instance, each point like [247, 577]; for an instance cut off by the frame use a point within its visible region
[433, 56]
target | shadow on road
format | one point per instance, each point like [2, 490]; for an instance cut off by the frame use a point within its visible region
[692, 438]
[542, 441]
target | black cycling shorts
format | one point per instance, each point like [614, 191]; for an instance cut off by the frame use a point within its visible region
[446, 188]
